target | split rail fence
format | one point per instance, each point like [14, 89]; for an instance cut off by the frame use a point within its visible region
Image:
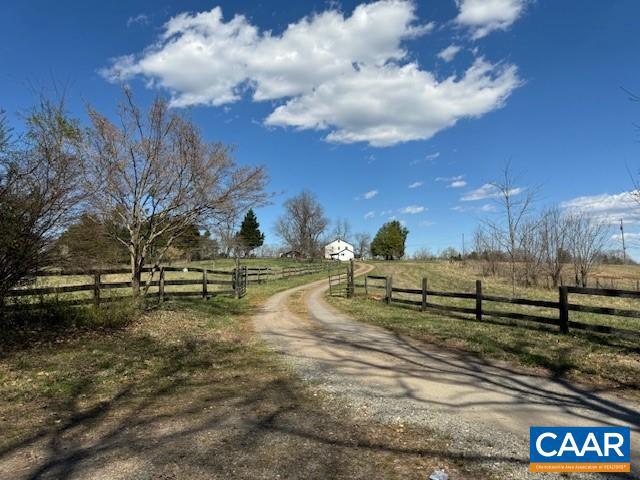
[483, 302]
[258, 275]
[96, 288]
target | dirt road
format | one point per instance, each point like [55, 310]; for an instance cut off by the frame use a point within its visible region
[485, 407]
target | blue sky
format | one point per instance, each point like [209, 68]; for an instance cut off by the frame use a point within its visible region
[351, 98]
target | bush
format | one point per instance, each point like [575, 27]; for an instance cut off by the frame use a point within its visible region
[55, 315]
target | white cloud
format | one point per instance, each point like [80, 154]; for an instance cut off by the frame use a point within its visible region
[349, 76]
[389, 104]
[449, 53]
[486, 208]
[141, 19]
[416, 184]
[449, 179]
[606, 207]
[454, 182]
[370, 194]
[629, 237]
[487, 191]
[485, 16]
[426, 223]
[370, 214]
[412, 209]
[433, 156]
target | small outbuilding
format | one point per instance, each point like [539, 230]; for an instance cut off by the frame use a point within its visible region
[339, 250]
[291, 254]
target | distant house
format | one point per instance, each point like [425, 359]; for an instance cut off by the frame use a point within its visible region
[339, 250]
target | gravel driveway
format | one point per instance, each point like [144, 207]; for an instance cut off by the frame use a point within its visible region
[485, 407]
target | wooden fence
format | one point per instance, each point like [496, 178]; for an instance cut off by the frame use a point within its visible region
[224, 282]
[479, 310]
[264, 274]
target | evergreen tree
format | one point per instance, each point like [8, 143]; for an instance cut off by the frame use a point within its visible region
[87, 243]
[250, 237]
[389, 241]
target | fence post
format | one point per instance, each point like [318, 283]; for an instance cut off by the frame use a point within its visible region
[234, 282]
[96, 288]
[246, 279]
[204, 283]
[564, 309]
[351, 288]
[423, 305]
[479, 300]
[366, 286]
[161, 285]
[389, 286]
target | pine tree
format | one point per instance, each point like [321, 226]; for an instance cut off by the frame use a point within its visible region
[389, 241]
[250, 237]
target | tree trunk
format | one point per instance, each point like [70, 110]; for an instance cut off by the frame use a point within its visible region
[584, 274]
[136, 275]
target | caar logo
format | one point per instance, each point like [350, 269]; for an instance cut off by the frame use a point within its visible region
[579, 449]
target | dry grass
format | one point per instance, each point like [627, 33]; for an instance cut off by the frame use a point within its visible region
[188, 391]
[603, 360]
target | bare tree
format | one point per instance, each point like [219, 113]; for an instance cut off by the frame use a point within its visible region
[342, 229]
[302, 224]
[39, 191]
[487, 247]
[515, 204]
[588, 238]
[531, 251]
[363, 241]
[422, 254]
[554, 232]
[225, 230]
[154, 172]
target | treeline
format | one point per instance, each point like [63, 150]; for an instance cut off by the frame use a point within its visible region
[526, 244]
[87, 243]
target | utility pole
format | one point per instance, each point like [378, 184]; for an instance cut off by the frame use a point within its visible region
[463, 246]
[624, 247]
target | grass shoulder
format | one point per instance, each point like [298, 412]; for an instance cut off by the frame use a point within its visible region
[599, 360]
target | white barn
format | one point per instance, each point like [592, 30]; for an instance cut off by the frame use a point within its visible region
[339, 250]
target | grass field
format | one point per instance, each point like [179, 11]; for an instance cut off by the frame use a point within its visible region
[187, 391]
[598, 359]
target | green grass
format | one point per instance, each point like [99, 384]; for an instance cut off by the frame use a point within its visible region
[598, 359]
[187, 387]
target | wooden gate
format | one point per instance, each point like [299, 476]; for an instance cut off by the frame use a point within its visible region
[341, 283]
